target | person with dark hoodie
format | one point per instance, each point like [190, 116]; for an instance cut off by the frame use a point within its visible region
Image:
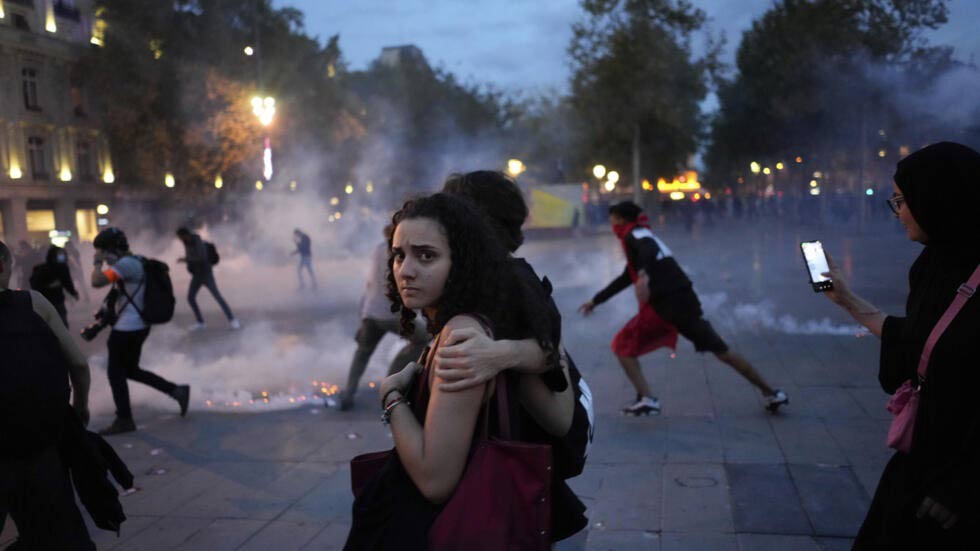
[660, 282]
[53, 279]
[39, 359]
[202, 275]
[927, 496]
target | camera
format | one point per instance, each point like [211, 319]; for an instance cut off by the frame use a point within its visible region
[104, 317]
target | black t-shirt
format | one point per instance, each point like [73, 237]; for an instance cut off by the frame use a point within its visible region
[303, 245]
[668, 283]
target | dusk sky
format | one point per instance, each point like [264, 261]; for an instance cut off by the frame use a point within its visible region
[521, 44]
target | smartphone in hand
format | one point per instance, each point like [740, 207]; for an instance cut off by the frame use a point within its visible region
[816, 265]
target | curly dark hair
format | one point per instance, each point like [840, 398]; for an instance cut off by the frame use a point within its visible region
[478, 278]
[498, 197]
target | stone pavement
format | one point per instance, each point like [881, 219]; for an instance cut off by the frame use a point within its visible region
[713, 472]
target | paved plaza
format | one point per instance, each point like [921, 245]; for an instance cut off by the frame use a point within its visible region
[713, 472]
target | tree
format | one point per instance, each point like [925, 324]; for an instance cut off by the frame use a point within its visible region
[822, 79]
[635, 79]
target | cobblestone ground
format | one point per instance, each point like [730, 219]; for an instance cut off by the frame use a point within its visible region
[714, 471]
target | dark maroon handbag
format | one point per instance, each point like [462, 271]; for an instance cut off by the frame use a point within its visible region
[502, 502]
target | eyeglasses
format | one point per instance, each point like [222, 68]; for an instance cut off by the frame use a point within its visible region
[895, 203]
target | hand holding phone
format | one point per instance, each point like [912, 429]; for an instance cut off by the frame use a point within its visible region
[816, 264]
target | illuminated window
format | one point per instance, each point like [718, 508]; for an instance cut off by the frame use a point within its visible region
[35, 154]
[86, 223]
[30, 88]
[40, 220]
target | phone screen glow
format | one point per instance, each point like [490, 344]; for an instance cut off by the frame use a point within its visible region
[816, 261]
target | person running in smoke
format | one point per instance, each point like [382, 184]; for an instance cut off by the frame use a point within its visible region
[125, 272]
[202, 274]
[377, 319]
[53, 279]
[39, 360]
[305, 251]
[75, 267]
[660, 282]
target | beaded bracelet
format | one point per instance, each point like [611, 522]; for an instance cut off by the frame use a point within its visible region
[386, 416]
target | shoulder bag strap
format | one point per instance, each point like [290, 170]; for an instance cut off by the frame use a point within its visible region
[963, 294]
[129, 299]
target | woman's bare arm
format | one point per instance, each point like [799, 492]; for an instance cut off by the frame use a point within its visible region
[435, 455]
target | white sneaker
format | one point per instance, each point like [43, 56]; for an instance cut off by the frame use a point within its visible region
[778, 399]
[197, 326]
[235, 324]
[644, 406]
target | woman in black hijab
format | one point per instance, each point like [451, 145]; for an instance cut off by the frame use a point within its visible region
[931, 495]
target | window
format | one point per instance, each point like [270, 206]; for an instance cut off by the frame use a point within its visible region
[35, 153]
[30, 89]
[40, 220]
[85, 168]
[85, 221]
[20, 22]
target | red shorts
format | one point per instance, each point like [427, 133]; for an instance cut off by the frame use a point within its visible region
[644, 333]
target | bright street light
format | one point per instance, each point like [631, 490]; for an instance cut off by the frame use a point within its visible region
[754, 167]
[264, 109]
[169, 181]
[599, 171]
[610, 185]
[515, 167]
[218, 182]
[102, 210]
[248, 50]
[612, 176]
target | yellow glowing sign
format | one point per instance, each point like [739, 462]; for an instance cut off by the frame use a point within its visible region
[685, 182]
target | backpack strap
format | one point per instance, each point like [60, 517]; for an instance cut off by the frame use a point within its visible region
[129, 299]
[963, 294]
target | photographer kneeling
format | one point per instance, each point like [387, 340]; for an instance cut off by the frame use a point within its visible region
[122, 310]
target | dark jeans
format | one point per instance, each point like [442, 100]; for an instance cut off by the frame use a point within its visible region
[206, 280]
[39, 497]
[306, 261]
[124, 363]
[368, 337]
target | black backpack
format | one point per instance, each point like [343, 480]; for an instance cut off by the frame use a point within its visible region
[158, 296]
[572, 450]
[212, 253]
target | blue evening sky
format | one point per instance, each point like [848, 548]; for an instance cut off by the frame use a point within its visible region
[521, 44]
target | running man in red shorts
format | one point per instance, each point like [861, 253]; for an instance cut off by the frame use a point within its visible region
[668, 306]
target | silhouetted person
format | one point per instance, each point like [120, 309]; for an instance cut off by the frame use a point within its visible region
[39, 360]
[200, 267]
[304, 248]
[53, 279]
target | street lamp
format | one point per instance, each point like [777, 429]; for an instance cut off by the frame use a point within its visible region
[169, 181]
[248, 51]
[219, 182]
[264, 109]
[754, 167]
[599, 171]
[613, 177]
[515, 167]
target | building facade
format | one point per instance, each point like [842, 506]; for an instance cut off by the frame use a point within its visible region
[57, 173]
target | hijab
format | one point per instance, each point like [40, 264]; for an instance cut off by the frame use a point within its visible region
[941, 186]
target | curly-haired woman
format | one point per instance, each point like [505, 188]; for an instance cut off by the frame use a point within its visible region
[927, 497]
[447, 264]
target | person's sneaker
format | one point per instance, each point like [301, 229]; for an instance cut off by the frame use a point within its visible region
[183, 396]
[119, 426]
[778, 399]
[235, 324]
[643, 406]
[198, 326]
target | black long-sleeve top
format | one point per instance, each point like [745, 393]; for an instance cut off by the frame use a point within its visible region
[644, 251]
[944, 462]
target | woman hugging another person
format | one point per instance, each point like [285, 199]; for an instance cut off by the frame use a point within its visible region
[447, 264]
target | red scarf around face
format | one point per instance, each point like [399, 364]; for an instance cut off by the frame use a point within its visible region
[622, 230]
